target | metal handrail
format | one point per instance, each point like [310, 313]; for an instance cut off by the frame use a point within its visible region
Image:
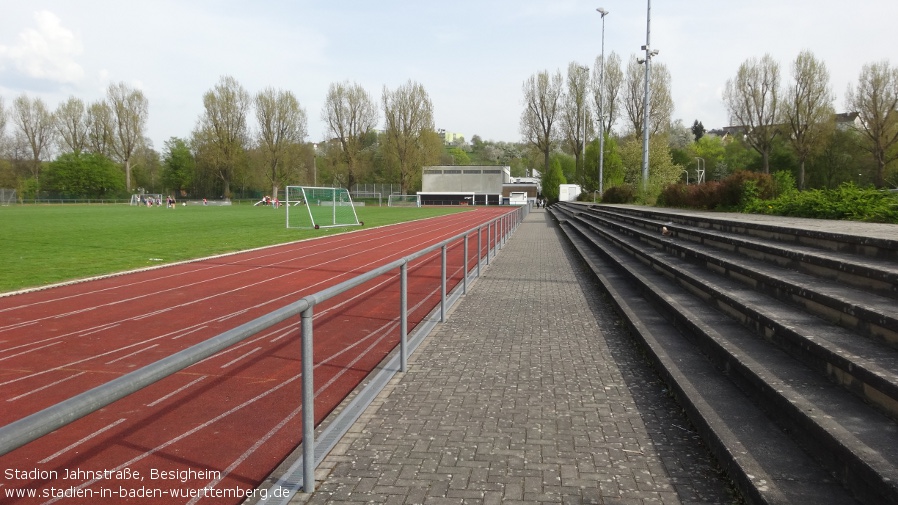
[34, 426]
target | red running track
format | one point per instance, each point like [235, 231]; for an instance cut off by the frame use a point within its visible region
[216, 429]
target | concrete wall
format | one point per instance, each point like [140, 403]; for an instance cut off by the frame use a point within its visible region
[464, 179]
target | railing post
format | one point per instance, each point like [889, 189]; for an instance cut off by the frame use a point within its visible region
[308, 405]
[403, 316]
[464, 286]
[489, 237]
[479, 248]
[443, 285]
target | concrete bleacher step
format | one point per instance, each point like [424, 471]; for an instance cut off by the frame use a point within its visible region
[872, 267]
[858, 310]
[864, 366]
[855, 444]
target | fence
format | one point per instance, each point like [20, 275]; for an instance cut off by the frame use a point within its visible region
[34, 426]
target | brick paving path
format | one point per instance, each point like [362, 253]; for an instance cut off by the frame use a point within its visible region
[530, 392]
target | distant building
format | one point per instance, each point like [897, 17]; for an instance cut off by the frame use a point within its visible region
[463, 185]
[450, 137]
[844, 120]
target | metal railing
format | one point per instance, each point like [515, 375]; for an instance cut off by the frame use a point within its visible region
[34, 426]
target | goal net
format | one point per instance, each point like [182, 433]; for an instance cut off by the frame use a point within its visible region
[309, 207]
[404, 201]
[147, 199]
[7, 196]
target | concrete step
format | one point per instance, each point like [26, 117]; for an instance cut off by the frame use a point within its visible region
[833, 256]
[838, 432]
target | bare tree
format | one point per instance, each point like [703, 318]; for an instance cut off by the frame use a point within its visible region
[221, 132]
[129, 111]
[35, 126]
[613, 82]
[99, 122]
[752, 100]
[660, 100]
[71, 125]
[542, 100]
[807, 109]
[575, 115]
[409, 133]
[875, 100]
[282, 127]
[350, 113]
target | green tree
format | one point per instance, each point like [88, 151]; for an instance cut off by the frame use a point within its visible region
[221, 135]
[410, 141]
[178, 164]
[84, 175]
[551, 180]
[459, 157]
[663, 171]
[351, 115]
[807, 109]
[130, 110]
[875, 98]
[282, 127]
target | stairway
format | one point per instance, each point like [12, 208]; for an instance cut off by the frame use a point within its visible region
[781, 343]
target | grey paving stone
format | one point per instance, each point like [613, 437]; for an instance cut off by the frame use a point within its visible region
[531, 392]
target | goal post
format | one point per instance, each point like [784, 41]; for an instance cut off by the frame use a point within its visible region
[404, 201]
[311, 207]
[7, 197]
[147, 199]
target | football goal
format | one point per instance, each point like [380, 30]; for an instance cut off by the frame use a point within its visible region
[309, 207]
[7, 196]
[404, 201]
[147, 199]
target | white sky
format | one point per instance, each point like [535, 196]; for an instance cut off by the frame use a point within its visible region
[472, 57]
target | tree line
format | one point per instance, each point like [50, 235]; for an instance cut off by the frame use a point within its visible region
[243, 143]
[791, 126]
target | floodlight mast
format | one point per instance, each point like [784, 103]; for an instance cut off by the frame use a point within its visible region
[603, 13]
[645, 126]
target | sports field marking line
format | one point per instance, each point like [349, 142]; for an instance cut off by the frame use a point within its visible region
[75, 333]
[242, 405]
[350, 242]
[187, 433]
[85, 439]
[194, 330]
[60, 381]
[173, 393]
[132, 354]
[29, 350]
[136, 318]
[385, 329]
[285, 331]
[229, 363]
[98, 329]
[107, 353]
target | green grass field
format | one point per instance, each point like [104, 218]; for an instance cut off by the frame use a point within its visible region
[46, 244]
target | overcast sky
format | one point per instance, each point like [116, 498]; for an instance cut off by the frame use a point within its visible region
[472, 57]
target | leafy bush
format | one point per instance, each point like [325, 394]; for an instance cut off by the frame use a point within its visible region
[624, 193]
[846, 202]
[743, 187]
[697, 196]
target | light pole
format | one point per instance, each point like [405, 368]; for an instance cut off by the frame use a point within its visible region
[315, 164]
[645, 116]
[603, 13]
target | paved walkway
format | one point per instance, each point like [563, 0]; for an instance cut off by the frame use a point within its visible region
[530, 392]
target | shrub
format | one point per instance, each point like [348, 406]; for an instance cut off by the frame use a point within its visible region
[624, 193]
[741, 188]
